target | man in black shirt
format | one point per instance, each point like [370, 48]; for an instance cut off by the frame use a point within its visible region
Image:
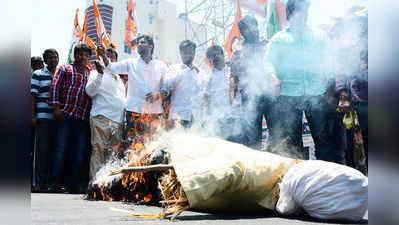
[251, 78]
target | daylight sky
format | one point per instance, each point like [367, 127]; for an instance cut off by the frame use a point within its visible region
[52, 21]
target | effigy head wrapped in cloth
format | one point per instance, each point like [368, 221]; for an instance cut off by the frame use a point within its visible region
[209, 173]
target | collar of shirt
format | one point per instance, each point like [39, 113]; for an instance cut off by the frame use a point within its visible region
[305, 31]
[45, 69]
[186, 68]
[141, 61]
[86, 67]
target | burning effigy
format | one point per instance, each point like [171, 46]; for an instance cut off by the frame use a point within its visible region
[197, 172]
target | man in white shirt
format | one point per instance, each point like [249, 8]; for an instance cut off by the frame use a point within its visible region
[108, 104]
[144, 104]
[184, 84]
[217, 95]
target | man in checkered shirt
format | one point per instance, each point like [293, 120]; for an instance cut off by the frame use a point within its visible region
[71, 112]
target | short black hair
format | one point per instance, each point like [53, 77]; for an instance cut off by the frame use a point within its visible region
[112, 52]
[295, 5]
[211, 51]
[49, 51]
[187, 44]
[35, 59]
[148, 39]
[81, 47]
[244, 22]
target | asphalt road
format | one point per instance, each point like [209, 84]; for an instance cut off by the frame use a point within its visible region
[67, 209]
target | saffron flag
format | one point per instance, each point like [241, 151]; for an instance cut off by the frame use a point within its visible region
[84, 29]
[85, 38]
[234, 33]
[102, 34]
[132, 26]
[281, 13]
[76, 37]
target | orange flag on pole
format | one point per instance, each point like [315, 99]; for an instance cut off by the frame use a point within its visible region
[85, 38]
[132, 26]
[84, 29]
[234, 33]
[102, 34]
[281, 14]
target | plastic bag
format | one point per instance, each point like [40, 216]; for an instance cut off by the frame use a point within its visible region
[324, 190]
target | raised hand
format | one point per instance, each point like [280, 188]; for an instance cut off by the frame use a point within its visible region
[101, 51]
[99, 67]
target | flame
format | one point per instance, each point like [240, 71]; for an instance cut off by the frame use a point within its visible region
[146, 198]
[102, 193]
[137, 186]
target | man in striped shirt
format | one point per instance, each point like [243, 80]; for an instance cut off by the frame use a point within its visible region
[71, 111]
[42, 118]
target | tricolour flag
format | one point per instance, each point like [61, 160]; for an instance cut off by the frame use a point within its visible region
[102, 34]
[276, 17]
[76, 37]
[234, 33]
[132, 26]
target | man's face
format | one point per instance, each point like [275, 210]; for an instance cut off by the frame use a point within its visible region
[218, 60]
[143, 47]
[110, 56]
[250, 33]
[300, 17]
[51, 60]
[82, 58]
[123, 78]
[187, 55]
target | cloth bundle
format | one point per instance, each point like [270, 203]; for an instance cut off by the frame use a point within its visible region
[324, 190]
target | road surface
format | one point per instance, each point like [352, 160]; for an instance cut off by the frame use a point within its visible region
[68, 209]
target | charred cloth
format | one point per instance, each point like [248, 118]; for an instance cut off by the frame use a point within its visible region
[138, 186]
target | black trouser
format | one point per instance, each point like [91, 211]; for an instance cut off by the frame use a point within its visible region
[253, 110]
[45, 146]
[31, 156]
[289, 124]
[229, 128]
[337, 134]
[362, 112]
[72, 152]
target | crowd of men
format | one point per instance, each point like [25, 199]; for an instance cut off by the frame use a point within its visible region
[294, 72]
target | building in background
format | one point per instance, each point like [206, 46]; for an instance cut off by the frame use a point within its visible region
[155, 17]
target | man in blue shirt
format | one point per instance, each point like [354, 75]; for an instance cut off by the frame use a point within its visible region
[301, 59]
